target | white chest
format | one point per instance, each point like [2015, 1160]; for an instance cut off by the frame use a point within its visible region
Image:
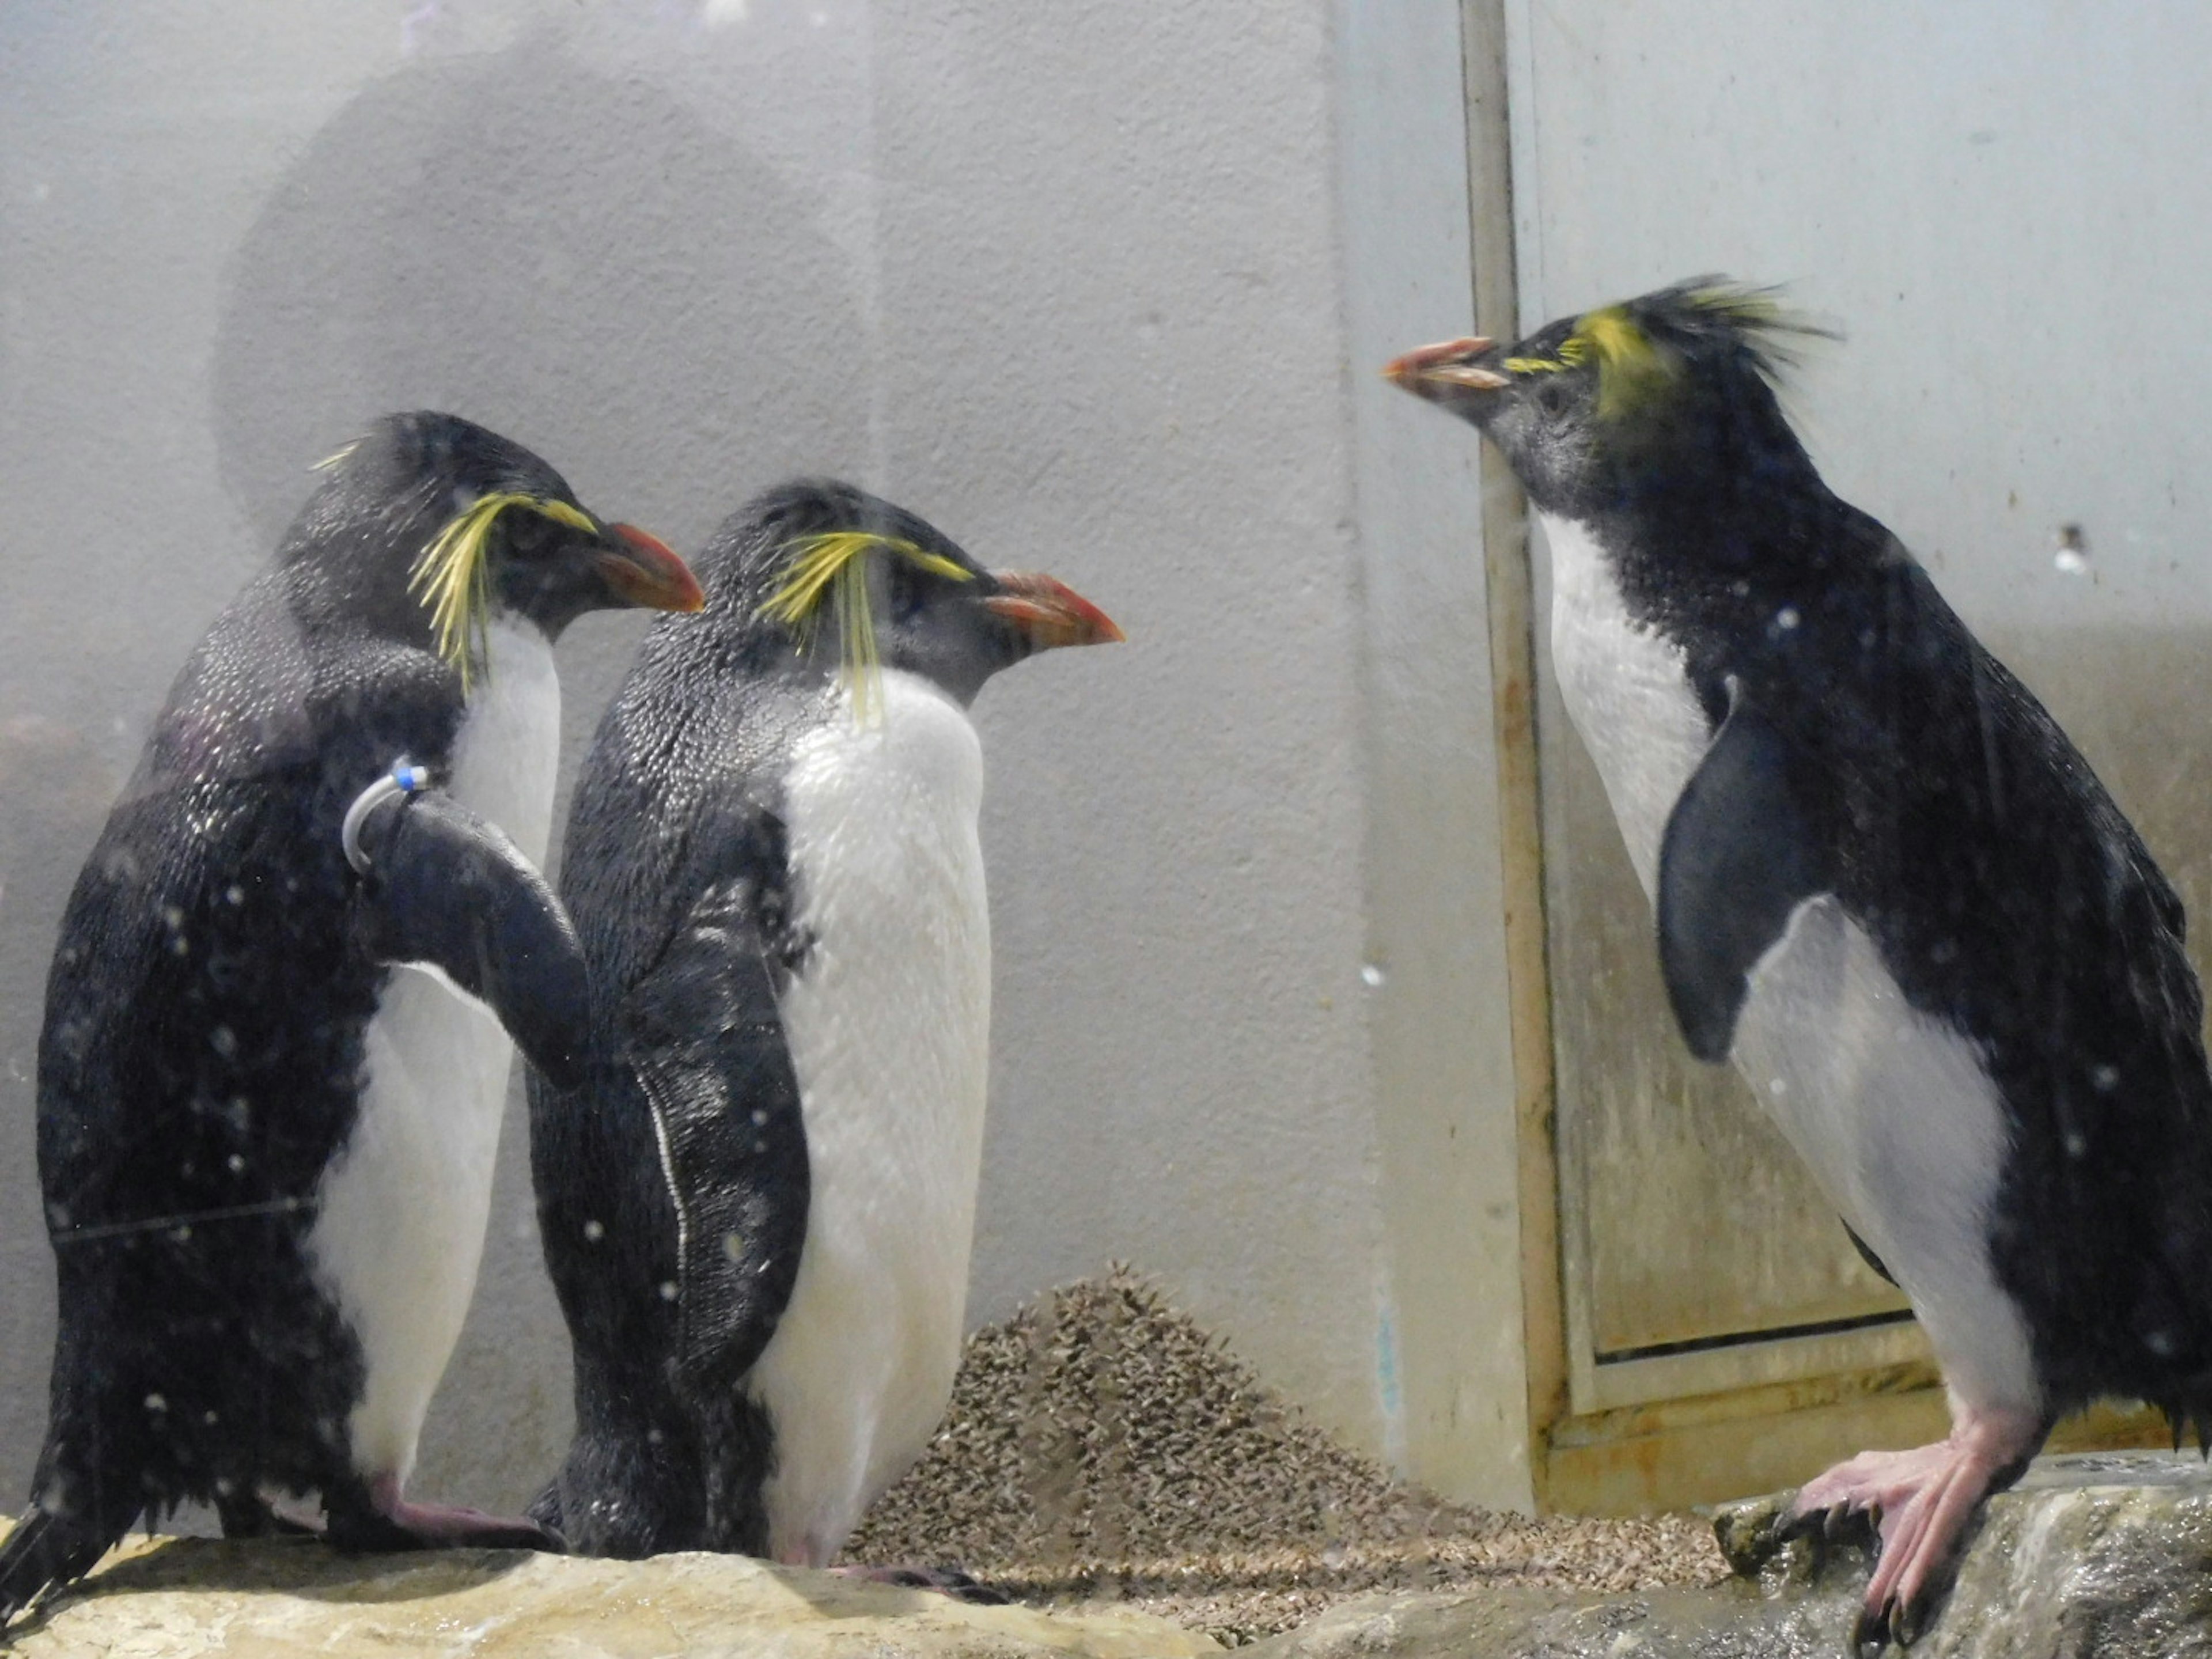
[1626, 688]
[889, 1028]
[401, 1225]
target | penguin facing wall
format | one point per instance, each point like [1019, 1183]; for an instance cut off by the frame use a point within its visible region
[1887, 886]
[758, 1207]
[273, 1060]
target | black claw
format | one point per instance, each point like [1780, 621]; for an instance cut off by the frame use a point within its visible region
[1908, 1623]
[946, 1581]
[964, 1587]
[1869, 1632]
[1797, 1525]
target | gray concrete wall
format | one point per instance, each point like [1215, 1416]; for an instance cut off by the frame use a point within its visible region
[1098, 289]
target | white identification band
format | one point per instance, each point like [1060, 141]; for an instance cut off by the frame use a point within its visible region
[405, 779]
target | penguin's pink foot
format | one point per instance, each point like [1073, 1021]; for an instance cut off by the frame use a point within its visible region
[947, 1581]
[1921, 1501]
[390, 1521]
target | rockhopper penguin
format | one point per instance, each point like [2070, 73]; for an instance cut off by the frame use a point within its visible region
[758, 1206]
[1886, 887]
[272, 1064]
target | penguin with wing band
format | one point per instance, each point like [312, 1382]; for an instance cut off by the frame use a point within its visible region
[1888, 888]
[273, 1060]
[758, 1207]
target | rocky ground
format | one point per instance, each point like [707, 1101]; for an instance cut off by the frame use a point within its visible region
[1107, 1462]
[1103, 1448]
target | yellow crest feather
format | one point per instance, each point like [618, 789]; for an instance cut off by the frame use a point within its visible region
[1629, 366]
[452, 578]
[1636, 359]
[829, 571]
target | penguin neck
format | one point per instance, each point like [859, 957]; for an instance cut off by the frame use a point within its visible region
[507, 747]
[345, 575]
[1731, 549]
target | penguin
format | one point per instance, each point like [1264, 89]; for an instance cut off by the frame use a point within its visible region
[275, 1042]
[1887, 888]
[757, 1208]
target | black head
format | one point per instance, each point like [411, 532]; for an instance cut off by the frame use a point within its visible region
[1670, 392]
[430, 525]
[825, 577]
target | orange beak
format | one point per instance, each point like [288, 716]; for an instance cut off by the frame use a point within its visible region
[1050, 613]
[1448, 365]
[643, 570]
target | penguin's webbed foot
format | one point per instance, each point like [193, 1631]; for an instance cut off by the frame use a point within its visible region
[387, 1522]
[946, 1581]
[249, 1514]
[1921, 1502]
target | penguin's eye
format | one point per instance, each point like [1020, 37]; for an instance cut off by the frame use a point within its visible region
[528, 534]
[906, 595]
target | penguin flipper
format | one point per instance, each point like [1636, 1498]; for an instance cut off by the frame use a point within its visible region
[1737, 858]
[705, 1040]
[448, 888]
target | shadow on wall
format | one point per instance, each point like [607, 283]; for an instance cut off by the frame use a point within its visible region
[582, 262]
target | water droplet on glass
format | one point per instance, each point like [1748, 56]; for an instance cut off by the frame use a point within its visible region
[2073, 555]
[1371, 976]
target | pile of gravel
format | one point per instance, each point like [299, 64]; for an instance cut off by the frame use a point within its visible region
[1100, 1445]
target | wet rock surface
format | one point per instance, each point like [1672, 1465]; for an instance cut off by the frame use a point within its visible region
[1107, 1463]
[2098, 1556]
[186, 1598]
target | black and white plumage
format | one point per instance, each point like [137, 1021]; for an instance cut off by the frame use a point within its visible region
[1886, 887]
[758, 1209]
[270, 1084]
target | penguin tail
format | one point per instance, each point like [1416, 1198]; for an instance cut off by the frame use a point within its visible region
[43, 1550]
